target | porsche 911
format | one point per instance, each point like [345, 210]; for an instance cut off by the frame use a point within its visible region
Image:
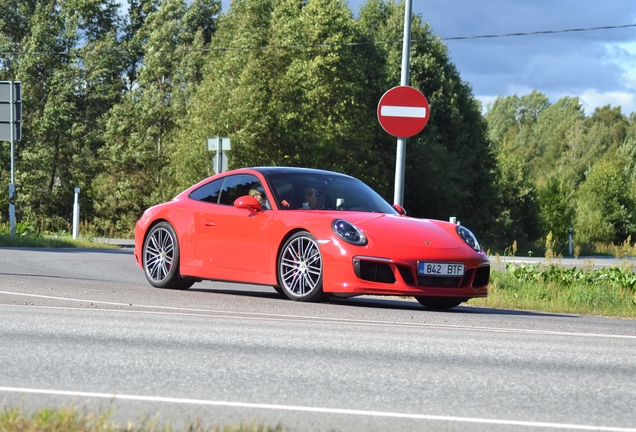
[310, 234]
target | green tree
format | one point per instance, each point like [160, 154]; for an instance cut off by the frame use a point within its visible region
[518, 205]
[583, 145]
[131, 42]
[613, 119]
[139, 131]
[606, 210]
[65, 91]
[508, 115]
[549, 135]
[279, 96]
[557, 200]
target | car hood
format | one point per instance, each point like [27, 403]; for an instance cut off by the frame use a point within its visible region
[406, 231]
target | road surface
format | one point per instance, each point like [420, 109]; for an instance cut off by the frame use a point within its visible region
[83, 327]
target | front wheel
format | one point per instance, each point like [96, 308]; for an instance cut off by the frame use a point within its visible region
[161, 258]
[439, 303]
[300, 268]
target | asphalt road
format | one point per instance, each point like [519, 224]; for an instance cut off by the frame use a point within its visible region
[83, 327]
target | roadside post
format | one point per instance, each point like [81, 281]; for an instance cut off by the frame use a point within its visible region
[219, 145]
[76, 216]
[570, 240]
[397, 112]
[11, 130]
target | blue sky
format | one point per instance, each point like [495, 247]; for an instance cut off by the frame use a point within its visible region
[599, 67]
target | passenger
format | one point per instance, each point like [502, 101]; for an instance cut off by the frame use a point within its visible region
[260, 197]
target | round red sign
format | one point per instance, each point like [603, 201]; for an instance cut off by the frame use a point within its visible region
[403, 111]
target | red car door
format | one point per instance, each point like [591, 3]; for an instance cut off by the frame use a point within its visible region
[232, 243]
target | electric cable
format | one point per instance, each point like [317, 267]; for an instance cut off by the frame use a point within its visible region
[290, 47]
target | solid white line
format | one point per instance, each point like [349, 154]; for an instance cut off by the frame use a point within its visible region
[402, 111]
[326, 320]
[317, 410]
[64, 298]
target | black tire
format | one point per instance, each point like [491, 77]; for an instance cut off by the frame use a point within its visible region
[439, 303]
[280, 291]
[300, 268]
[160, 258]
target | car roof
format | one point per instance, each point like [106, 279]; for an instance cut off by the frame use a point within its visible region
[266, 171]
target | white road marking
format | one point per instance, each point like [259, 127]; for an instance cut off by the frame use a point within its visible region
[402, 111]
[325, 320]
[316, 409]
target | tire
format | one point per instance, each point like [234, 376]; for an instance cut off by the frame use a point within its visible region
[280, 291]
[300, 268]
[439, 303]
[160, 257]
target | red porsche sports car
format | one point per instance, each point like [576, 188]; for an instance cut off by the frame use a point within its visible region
[310, 234]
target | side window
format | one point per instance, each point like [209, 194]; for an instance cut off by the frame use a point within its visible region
[209, 192]
[236, 186]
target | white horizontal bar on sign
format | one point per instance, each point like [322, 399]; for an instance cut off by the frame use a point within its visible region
[402, 111]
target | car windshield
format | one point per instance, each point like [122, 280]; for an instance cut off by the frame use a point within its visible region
[295, 191]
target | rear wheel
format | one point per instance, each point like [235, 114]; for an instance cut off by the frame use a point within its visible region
[280, 291]
[439, 303]
[161, 258]
[300, 268]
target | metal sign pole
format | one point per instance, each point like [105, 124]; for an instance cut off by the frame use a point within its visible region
[219, 145]
[400, 157]
[219, 156]
[12, 184]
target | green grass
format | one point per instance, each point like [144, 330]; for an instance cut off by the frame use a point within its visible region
[77, 420]
[50, 241]
[28, 235]
[553, 288]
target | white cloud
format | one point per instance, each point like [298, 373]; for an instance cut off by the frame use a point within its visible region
[624, 55]
[592, 99]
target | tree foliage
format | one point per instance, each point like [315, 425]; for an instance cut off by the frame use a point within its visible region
[64, 94]
[301, 106]
[121, 103]
[139, 131]
[581, 168]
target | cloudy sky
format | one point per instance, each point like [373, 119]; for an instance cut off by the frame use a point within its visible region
[597, 66]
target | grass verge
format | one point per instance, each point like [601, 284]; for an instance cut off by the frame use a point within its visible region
[27, 236]
[553, 288]
[50, 242]
[78, 420]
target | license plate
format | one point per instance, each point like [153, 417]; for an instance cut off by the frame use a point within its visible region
[440, 269]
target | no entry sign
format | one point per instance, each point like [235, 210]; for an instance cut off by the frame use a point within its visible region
[403, 111]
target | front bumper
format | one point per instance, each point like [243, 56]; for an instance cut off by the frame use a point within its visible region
[349, 273]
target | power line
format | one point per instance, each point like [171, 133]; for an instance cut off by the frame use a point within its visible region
[540, 32]
[290, 47]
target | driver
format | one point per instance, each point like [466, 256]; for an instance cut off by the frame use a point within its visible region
[314, 197]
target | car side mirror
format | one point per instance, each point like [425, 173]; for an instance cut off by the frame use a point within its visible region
[399, 209]
[249, 203]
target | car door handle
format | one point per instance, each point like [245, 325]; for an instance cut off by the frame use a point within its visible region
[208, 223]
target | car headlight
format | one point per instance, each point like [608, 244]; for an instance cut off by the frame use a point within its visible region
[468, 237]
[349, 232]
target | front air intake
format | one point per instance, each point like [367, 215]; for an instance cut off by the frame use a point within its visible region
[482, 277]
[373, 271]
